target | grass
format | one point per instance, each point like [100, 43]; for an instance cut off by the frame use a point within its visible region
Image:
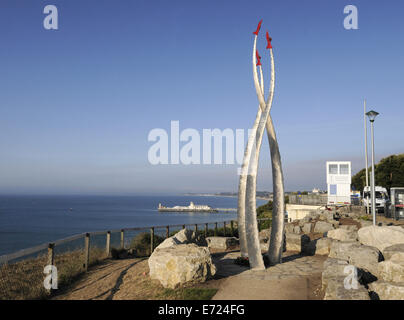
[23, 280]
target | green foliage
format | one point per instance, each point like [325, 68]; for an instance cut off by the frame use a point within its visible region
[142, 242]
[265, 211]
[389, 173]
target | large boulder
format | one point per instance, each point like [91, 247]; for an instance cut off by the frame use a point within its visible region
[349, 227]
[387, 291]
[326, 216]
[365, 223]
[322, 227]
[333, 268]
[289, 227]
[221, 243]
[341, 249]
[306, 227]
[392, 270]
[265, 235]
[342, 235]
[296, 242]
[395, 248]
[318, 247]
[362, 257]
[336, 291]
[183, 236]
[366, 258]
[381, 237]
[297, 230]
[180, 264]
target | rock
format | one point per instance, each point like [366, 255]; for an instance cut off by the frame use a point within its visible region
[181, 237]
[265, 235]
[342, 235]
[318, 247]
[185, 236]
[389, 251]
[392, 270]
[322, 227]
[333, 268]
[381, 237]
[222, 243]
[387, 291]
[336, 291]
[366, 258]
[341, 250]
[180, 264]
[314, 215]
[362, 257]
[334, 223]
[289, 227]
[297, 230]
[349, 227]
[328, 215]
[307, 228]
[365, 223]
[169, 242]
[296, 242]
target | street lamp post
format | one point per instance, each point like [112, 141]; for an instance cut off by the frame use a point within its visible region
[372, 116]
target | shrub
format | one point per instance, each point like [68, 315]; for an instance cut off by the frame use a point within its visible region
[141, 244]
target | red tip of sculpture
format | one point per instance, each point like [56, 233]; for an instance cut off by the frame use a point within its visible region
[258, 58]
[258, 28]
[269, 39]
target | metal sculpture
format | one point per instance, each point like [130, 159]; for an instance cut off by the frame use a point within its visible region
[247, 216]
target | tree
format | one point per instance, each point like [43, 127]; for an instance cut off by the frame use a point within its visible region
[389, 173]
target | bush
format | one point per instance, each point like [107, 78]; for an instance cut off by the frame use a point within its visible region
[141, 244]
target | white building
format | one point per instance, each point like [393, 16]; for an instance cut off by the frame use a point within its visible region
[339, 182]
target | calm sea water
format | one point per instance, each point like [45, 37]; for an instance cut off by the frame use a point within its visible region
[26, 221]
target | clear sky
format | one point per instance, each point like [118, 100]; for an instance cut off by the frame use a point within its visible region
[77, 103]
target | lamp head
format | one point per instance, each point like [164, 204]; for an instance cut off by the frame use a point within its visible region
[372, 115]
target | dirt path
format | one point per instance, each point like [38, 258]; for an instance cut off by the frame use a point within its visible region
[297, 278]
[101, 282]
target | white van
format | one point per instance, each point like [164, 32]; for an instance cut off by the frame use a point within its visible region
[382, 198]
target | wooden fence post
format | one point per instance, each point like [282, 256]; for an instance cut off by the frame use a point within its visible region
[224, 228]
[51, 254]
[215, 229]
[232, 228]
[196, 229]
[167, 232]
[206, 230]
[122, 238]
[108, 244]
[151, 240]
[86, 251]
[51, 260]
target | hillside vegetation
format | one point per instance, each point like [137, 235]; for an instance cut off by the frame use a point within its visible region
[389, 173]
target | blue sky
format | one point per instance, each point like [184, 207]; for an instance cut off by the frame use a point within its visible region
[77, 103]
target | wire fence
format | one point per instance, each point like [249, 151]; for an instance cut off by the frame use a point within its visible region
[22, 273]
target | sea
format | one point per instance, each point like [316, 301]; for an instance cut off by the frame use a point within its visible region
[27, 221]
